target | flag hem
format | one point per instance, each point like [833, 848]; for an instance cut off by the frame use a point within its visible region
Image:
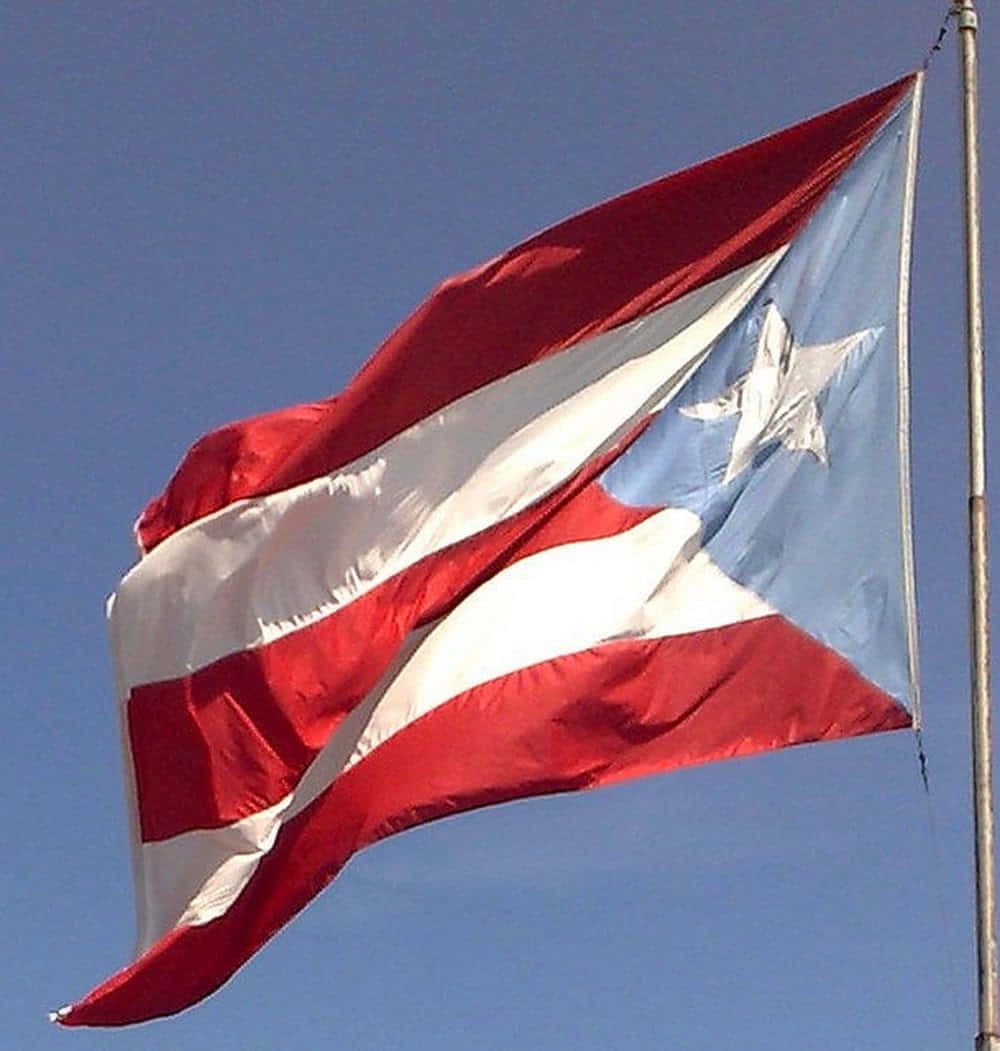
[903, 388]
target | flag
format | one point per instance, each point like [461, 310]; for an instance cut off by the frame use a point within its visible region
[629, 497]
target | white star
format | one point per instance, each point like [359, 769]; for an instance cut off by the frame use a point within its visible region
[776, 399]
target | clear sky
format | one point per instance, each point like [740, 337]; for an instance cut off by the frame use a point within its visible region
[210, 210]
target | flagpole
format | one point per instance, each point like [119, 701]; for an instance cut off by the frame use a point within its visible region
[988, 1036]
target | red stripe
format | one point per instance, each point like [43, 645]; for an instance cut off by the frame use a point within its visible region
[234, 737]
[589, 274]
[600, 716]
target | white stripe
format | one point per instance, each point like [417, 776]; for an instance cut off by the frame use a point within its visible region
[194, 877]
[263, 568]
[652, 581]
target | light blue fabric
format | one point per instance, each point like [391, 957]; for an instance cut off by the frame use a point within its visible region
[822, 543]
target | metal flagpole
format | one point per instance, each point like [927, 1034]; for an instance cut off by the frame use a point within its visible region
[988, 1037]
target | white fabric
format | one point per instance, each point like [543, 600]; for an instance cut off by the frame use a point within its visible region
[263, 568]
[194, 877]
[557, 602]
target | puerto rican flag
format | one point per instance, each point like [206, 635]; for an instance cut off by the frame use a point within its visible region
[629, 497]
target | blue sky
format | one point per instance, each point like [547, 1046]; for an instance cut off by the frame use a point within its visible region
[212, 210]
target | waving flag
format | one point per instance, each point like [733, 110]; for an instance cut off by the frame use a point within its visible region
[629, 497]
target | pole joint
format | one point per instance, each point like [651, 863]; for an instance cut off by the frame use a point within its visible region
[964, 13]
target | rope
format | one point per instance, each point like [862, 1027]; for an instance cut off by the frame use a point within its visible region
[942, 33]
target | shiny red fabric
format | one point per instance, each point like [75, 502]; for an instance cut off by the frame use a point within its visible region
[591, 273]
[233, 738]
[615, 712]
